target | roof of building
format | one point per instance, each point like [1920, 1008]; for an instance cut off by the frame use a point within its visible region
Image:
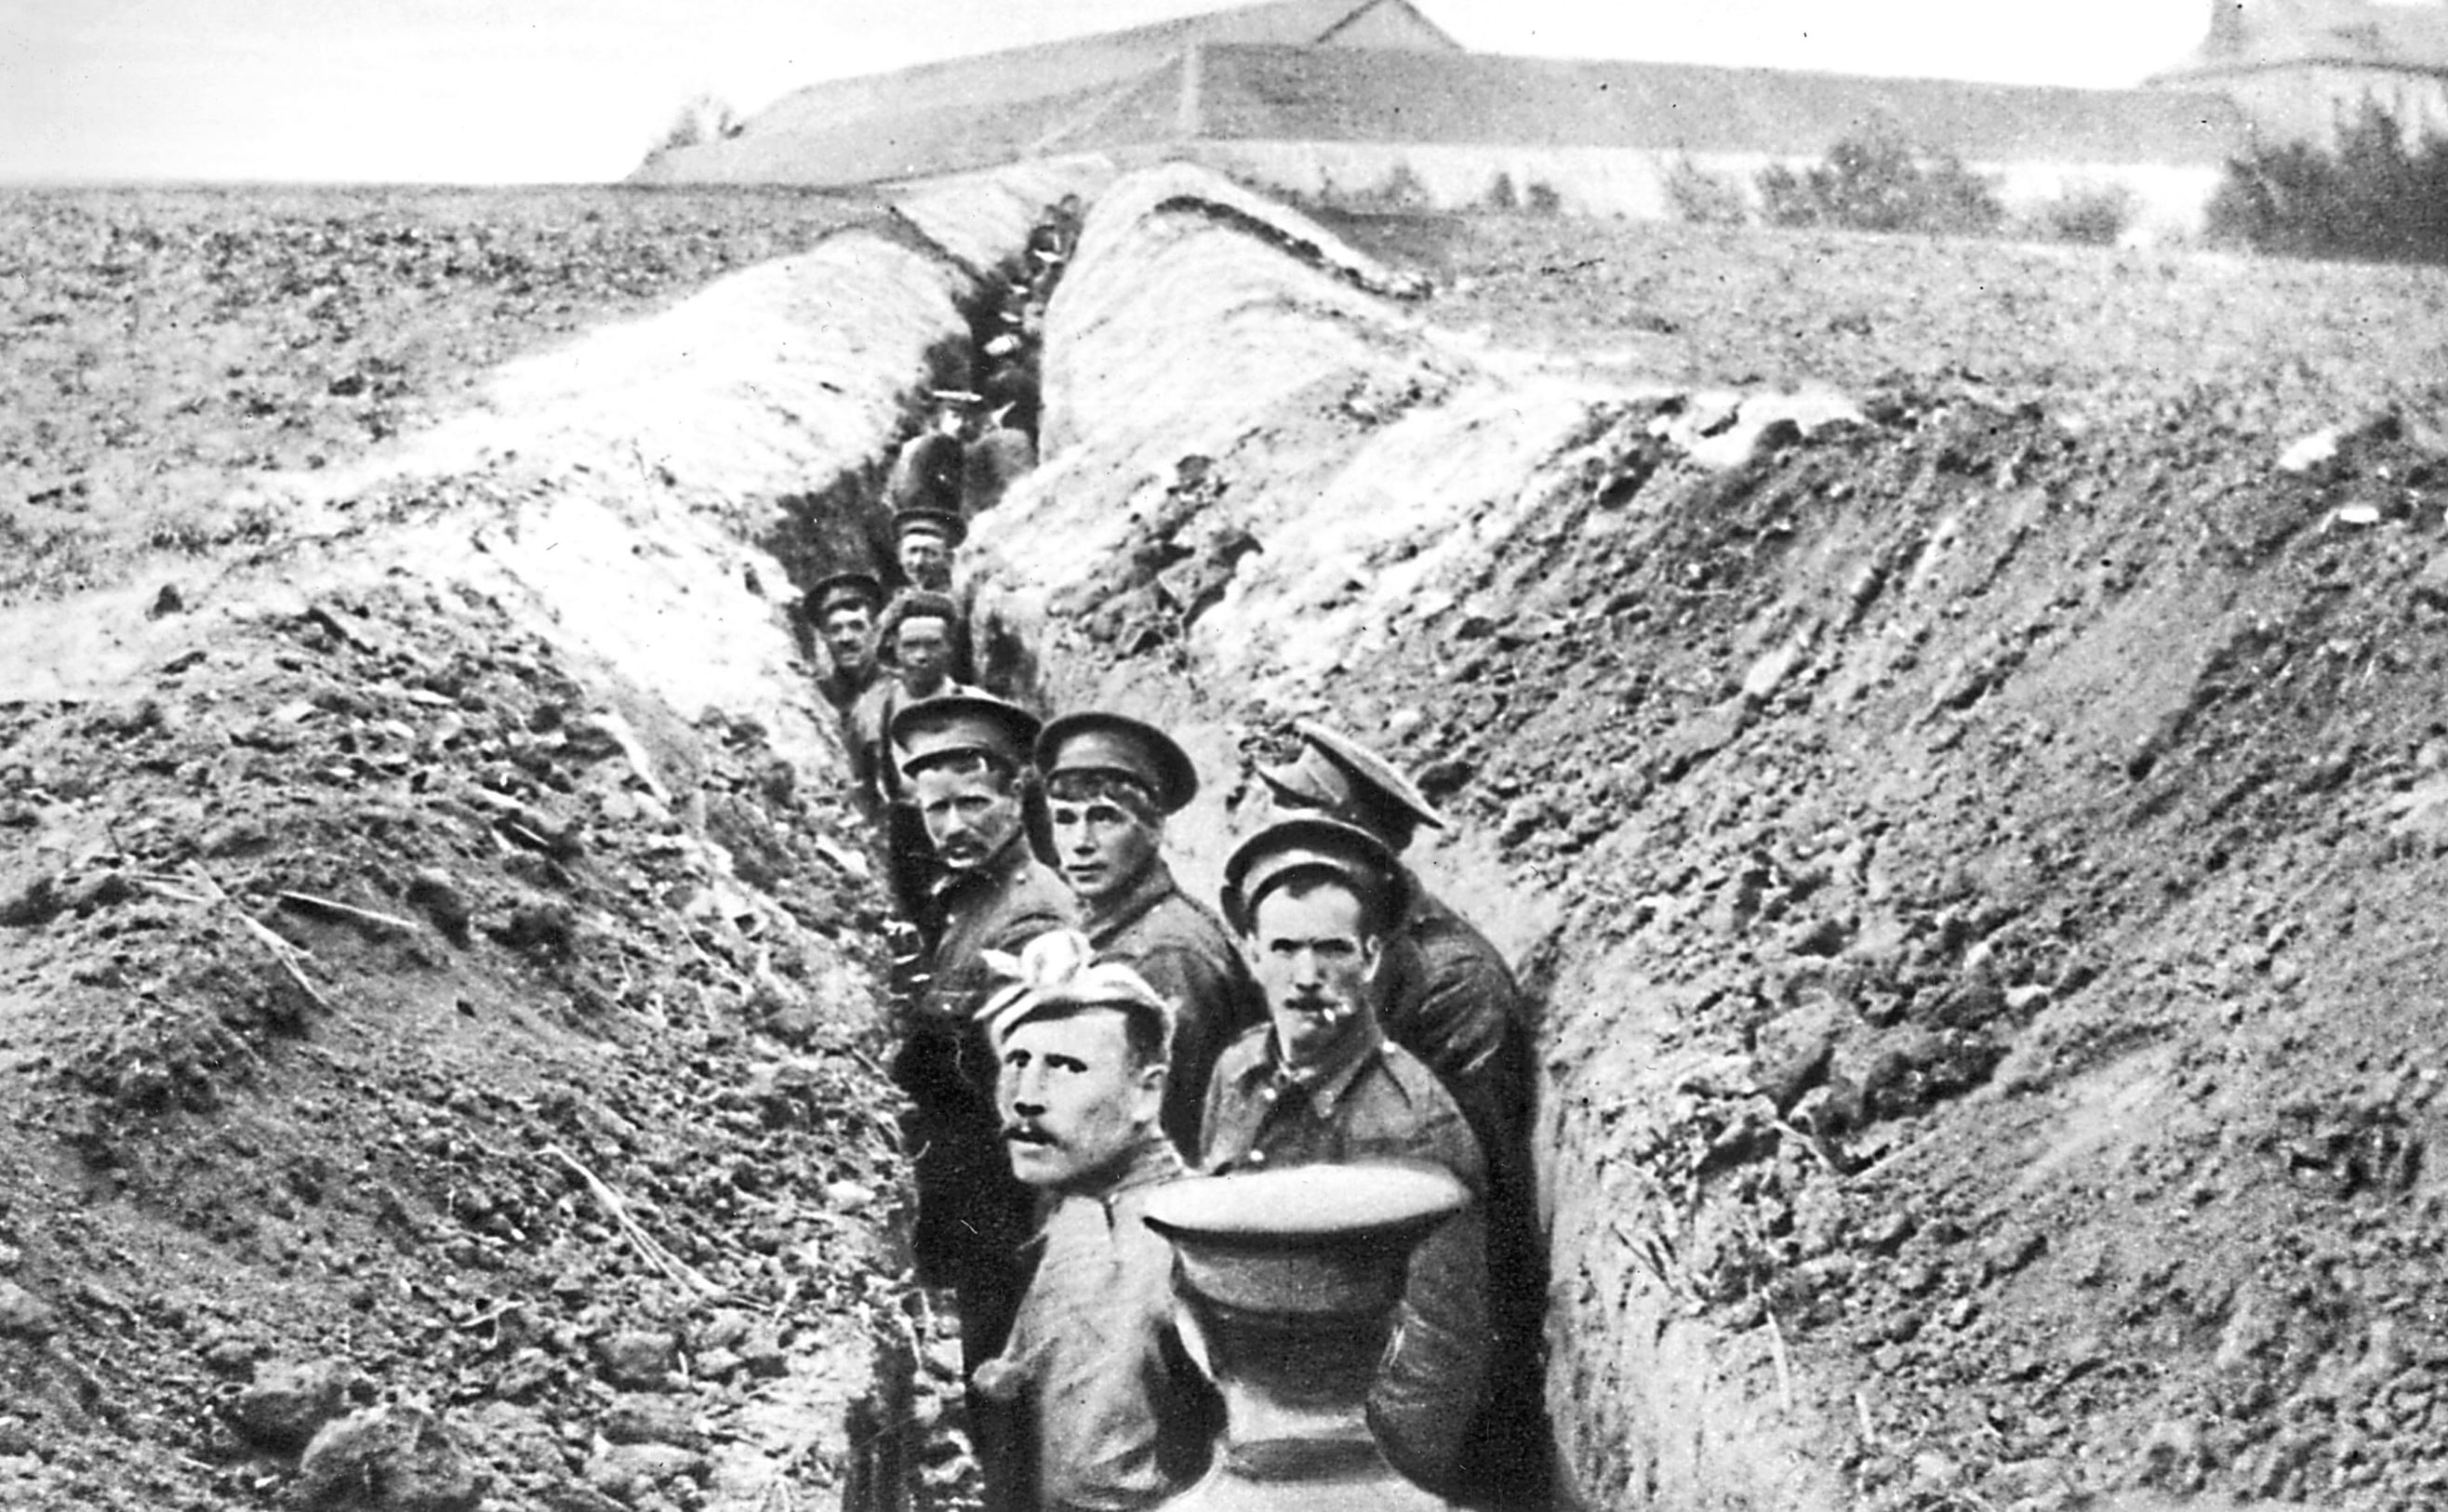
[1275, 72]
[1312, 95]
[1070, 64]
[2250, 35]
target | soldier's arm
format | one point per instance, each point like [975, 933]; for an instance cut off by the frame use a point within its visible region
[1209, 1017]
[1431, 1387]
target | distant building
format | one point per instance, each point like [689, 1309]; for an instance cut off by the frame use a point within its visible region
[2298, 67]
[1079, 93]
[1361, 98]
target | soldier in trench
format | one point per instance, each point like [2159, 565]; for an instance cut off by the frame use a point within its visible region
[1001, 456]
[992, 647]
[915, 645]
[1316, 903]
[1449, 998]
[1116, 1418]
[966, 760]
[1110, 783]
[842, 610]
[925, 472]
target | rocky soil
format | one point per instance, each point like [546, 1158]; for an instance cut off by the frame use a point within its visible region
[436, 972]
[1977, 830]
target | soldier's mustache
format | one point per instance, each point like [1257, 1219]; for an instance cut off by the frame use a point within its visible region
[1027, 1134]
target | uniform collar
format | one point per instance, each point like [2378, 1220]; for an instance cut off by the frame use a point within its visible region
[1327, 1082]
[1155, 885]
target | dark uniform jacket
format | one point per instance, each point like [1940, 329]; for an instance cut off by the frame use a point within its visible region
[1184, 954]
[993, 646]
[992, 464]
[971, 1209]
[926, 474]
[1377, 1103]
[843, 691]
[1118, 1418]
[1449, 999]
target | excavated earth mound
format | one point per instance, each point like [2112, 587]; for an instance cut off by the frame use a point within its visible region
[1980, 851]
[437, 969]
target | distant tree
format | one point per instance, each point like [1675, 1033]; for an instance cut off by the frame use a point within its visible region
[2091, 214]
[703, 119]
[1500, 194]
[2373, 195]
[1400, 189]
[1541, 199]
[1880, 181]
[1704, 199]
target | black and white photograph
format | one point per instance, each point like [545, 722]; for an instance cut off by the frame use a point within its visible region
[1223, 756]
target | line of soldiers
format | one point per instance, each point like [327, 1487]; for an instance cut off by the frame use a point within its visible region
[1077, 1035]
[980, 441]
[1337, 1013]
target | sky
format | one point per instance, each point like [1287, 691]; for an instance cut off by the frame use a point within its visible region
[529, 91]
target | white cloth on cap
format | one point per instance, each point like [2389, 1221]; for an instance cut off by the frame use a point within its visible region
[1060, 966]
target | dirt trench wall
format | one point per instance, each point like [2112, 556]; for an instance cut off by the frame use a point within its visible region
[1937, 830]
[1265, 484]
[473, 841]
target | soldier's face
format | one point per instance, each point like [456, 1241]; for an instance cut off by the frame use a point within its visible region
[927, 561]
[1314, 959]
[845, 634]
[1075, 1101]
[971, 815]
[1103, 847]
[923, 649]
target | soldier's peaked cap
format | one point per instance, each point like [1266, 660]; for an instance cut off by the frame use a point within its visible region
[1309, 844]
[1093, 740]
[918, 520]
[860, 588]
[1338, 773]
[1318, 1240]
[958, 724]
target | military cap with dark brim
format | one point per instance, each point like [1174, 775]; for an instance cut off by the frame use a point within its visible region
[1311, 1240]
[1311, 843]
[957, 725]
[1093, 740]
[861, 588]
[918, 521]
[1338, 773]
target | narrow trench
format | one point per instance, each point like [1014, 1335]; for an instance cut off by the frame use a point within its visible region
[909, 1450]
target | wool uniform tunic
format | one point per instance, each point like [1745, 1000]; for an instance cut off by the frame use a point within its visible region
[1376, 1102]
[1183, 950]
[1117, 1419]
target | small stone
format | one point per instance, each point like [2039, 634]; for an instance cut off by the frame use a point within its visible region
[637, 1359]
[443, 899]
[290, 1401]
[629, 1472]
[762, 1352]
[651, 1420]
[389, 1459]
[850, 1197]
[168, 601]
[24, 1315]
[2011, 1252]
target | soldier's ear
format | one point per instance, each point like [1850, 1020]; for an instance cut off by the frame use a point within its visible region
[1372, 952]
[1147, 1095]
